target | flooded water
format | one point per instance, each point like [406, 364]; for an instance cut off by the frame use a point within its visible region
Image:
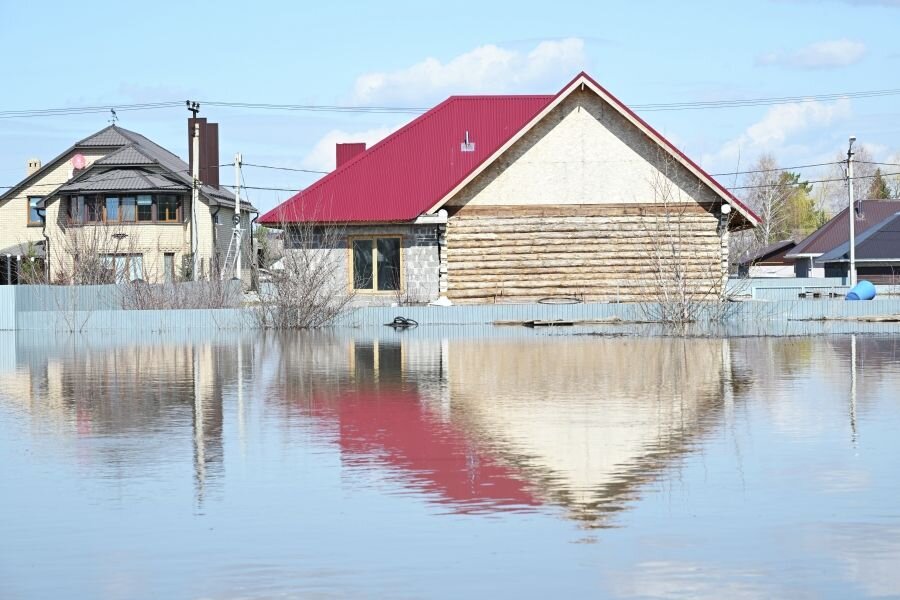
[473, 464]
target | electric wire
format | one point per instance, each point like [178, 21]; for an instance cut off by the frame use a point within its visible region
[326, 108]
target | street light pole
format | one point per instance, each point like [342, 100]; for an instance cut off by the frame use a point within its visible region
[851, 214]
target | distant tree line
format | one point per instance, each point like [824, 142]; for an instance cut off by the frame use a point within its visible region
[792, 208]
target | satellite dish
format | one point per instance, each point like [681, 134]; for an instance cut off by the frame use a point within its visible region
[78, 161]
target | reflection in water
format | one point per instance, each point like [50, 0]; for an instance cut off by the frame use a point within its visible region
[303, 455]
[134, 396]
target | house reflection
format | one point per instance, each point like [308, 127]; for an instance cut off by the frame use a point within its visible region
[133, 404]
[479, 424]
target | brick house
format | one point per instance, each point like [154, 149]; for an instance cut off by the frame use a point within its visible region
[515, 198]
[131, 198]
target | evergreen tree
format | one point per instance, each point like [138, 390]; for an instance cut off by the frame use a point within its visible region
[878, 189]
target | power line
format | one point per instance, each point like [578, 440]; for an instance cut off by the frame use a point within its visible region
[285, 168]
[651, 107]
[778, 169]
[752, 187]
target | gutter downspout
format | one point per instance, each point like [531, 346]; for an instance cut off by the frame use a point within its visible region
[42, 213]
[215, 235]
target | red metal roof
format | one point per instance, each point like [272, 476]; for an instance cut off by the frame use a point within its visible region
[395, 428]
[411, 170]
[406, 173]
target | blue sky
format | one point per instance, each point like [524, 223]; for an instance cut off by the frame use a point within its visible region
[59, 54]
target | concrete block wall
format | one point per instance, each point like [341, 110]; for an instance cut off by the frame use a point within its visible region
[421, 259]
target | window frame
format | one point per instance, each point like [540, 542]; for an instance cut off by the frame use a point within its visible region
[38, 221]
[351, 283]
[101, 201]
[127, 258]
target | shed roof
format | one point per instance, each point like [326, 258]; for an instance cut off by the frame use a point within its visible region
[880, 243]
[837, 231]
[417, 168]
[771, 252]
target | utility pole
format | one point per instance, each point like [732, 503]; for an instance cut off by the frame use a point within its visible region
[237, 212]
[195, 199]
[851, 214]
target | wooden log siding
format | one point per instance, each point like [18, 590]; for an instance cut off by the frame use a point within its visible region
[598, 253]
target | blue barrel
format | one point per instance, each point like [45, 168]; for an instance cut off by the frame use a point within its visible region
[864, 290]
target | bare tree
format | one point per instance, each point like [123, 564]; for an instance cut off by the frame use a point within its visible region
[306, 287]
[768, 196]
[686, 277]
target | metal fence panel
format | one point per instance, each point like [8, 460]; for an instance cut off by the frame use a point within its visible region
[7, 307]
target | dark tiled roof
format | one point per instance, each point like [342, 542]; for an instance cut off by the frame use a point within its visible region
[135, 150]
[129, 155]
[837, 230]
[122, 180]
[878, 243]
[109, 136]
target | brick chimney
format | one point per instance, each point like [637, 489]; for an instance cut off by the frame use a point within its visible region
[344, 152]
[209, 150]
[32, 166]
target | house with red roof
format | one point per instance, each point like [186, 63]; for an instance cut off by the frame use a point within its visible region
[513, 199]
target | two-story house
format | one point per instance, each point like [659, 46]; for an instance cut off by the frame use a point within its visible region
[123, 203]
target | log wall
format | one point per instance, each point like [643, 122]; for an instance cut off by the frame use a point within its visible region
[594, 252]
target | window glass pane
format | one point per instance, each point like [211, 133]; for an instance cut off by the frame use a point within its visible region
[33, 216]
[136, 267]
[389, 264]
[168, 208]
[145, 208]
[362, 264]
[92, 209]
[112, 208]
[120, 262]
[128, 209]
[76, 209]
[169, 267]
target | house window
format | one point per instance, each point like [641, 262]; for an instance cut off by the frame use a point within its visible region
[145, 208]
[123, 267]
[376, 264]
[128, 209]
[112, 208]
[93, 209]
[167, 209]
[169, 267]
[34, 217]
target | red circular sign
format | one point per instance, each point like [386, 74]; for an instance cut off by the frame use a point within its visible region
[78, 161]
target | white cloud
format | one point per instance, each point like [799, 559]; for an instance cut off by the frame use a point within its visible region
[778, 126]
[820, 55]
[322, 156]
[486, 69]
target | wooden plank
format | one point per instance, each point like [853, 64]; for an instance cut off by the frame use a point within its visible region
[542, 210]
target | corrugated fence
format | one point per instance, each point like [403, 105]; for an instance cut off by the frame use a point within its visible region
[49, 309]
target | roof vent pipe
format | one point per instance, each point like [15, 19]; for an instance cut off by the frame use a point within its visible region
[467, 146]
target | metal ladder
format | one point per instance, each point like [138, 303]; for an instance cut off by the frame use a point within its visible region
[234, 246]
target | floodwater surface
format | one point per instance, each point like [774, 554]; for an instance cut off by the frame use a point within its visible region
[472, 464]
